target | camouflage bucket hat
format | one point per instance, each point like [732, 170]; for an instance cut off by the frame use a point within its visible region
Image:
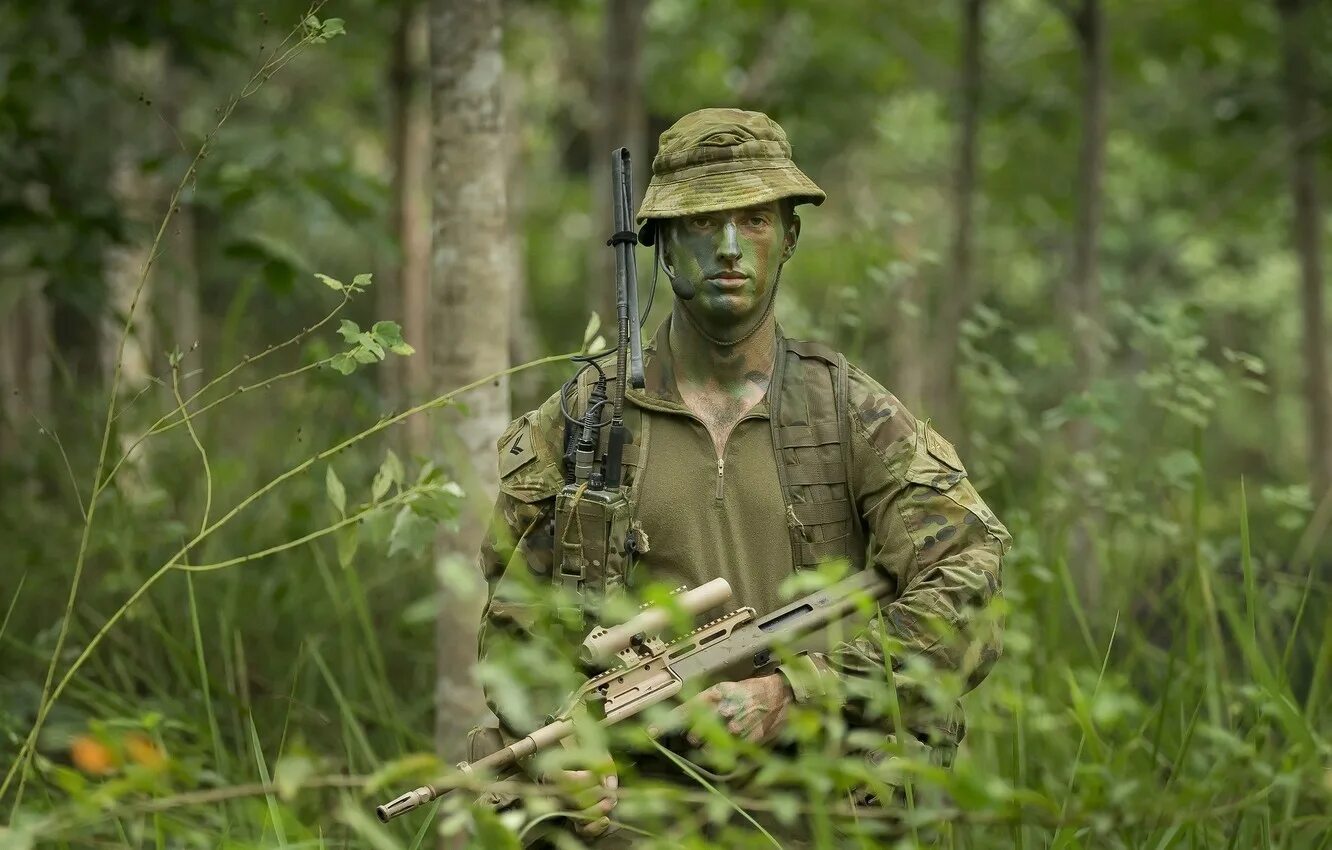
[721, 159]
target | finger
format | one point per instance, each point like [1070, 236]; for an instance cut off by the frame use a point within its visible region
[576, 778]
[592, 829]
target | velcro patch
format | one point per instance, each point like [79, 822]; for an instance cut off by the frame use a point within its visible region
[942, 450]
[516, 448]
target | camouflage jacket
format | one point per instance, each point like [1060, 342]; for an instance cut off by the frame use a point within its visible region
[913, 514]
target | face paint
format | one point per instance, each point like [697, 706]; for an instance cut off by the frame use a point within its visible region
[732, 258]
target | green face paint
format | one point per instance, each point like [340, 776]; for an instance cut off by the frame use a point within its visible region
[732, 258]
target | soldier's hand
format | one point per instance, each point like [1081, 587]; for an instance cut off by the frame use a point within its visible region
[753, 709]
[592, 793]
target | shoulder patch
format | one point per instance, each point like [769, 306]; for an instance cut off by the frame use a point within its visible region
[942, 450]
[516, 448]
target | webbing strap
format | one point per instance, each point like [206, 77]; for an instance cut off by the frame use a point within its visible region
[818, 434]
[816, 473]
[820, 513]
[812, 553]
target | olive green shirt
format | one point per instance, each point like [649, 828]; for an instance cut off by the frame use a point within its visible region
[704, 516]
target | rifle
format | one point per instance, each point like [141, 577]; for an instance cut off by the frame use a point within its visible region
[649, 669]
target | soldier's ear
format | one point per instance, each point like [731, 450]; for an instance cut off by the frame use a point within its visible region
[791, 237]
[665, 239]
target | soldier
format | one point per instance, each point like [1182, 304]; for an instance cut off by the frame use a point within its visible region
[753, 456]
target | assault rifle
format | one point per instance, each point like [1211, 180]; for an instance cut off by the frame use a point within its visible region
[644, 669]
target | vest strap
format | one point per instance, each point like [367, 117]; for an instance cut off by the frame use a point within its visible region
[816, 473]
[821, 513]
[818, 434]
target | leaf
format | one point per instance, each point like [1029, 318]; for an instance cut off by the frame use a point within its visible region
[412, 533]
[349, 330]
[348, 541]
[590, 332]
[331, 283]
[343, 363]
[290, 774]
[363, 280]
[390, 473]
[389, 335]
[332, 27]
[337, 494]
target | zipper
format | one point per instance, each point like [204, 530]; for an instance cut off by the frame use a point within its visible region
[721, 476]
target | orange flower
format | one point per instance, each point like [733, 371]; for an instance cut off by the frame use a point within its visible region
[142, 750]
[92, 756]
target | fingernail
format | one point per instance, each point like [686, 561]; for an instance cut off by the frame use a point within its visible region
[653, 731]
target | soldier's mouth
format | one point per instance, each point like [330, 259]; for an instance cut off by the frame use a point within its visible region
[729, 280]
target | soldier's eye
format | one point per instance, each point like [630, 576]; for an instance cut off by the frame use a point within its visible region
[757, 220]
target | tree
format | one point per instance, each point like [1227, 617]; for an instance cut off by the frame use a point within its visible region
[472, 275]
[961, 285]
[1306, 224]
[408, 293]
[622, 122]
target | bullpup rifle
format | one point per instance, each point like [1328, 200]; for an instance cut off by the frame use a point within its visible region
[645, 669]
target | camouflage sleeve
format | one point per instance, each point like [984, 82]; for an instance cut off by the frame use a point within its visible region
[517, 552]
[931, 532]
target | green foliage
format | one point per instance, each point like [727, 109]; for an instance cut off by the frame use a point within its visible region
[1187, 705]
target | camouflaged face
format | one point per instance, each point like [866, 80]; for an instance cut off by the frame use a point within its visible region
[719, 159]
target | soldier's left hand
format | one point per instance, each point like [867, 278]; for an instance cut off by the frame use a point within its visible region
[753, 709]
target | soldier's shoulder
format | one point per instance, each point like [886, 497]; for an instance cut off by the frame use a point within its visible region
[880, 417]
[529, 452]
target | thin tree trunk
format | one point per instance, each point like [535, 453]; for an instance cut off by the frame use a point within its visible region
[25, 367]
[524, 341]
[1083, 296]
[623, 123]
[473, 277]
[1085, 280]
[906, 332]
[1306, 221]
[949, 406]
[406, 297]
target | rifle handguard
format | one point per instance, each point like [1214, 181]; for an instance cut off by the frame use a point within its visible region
[603, 645]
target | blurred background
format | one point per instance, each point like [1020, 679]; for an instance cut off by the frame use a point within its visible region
[1084, 237]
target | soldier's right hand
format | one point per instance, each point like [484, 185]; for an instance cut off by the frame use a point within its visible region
[592, 793]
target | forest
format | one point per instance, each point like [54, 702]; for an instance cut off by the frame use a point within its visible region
[277, 275]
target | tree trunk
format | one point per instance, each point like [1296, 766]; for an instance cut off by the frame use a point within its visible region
[961, 286]
[137, 193]
[473, 277]
[1083, 296]
[906, 331]
[25, 366]
[1307, 216]
[406, 296]
[623, 123]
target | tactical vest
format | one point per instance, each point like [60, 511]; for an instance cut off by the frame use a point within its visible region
[807, 401]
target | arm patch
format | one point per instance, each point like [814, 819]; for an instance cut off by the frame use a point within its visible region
[516, 448]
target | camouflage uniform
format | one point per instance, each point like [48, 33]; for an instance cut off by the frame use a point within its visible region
[906, 505]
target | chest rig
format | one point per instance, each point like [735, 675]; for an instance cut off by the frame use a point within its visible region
[596, 544]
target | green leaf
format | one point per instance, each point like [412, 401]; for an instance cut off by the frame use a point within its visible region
[337, 494]
[590, 332]
[348, 541]
[290, 774]
[349, 330]
[389, 335]
[343, 363]
[331, 283]
[390, 473]
[363, 280]
[412, 533]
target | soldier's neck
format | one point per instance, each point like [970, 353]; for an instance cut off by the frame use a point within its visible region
[741, 369]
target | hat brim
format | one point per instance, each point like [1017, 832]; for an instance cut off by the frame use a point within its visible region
[725, 190]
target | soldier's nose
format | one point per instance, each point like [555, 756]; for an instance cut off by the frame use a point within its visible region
[729, 248]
